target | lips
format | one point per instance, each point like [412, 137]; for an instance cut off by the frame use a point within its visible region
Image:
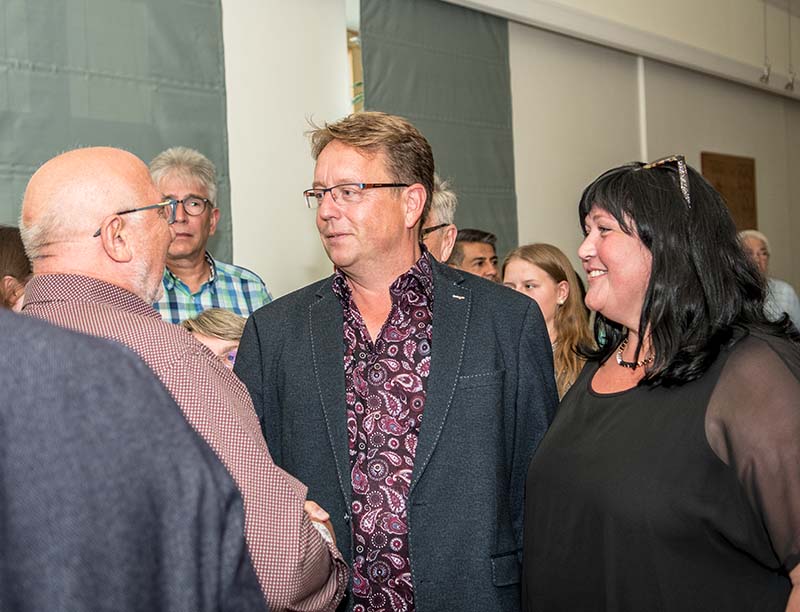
[595, 273]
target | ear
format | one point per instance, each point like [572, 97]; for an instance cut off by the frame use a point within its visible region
[562, 292]
[9, 288]
[114, 235]
[448, 241]
[213, 221]
[414, 201]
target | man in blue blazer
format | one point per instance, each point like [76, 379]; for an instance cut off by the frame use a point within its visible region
[407, 395]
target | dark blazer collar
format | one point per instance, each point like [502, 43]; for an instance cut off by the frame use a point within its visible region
[452, 305]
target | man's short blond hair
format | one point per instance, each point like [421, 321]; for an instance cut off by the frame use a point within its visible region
[408, 154]
[217, 323]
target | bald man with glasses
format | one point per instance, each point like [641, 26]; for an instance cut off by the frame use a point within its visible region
[97, 232]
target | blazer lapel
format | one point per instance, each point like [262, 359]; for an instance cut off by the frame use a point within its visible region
[452, 304]
[327, 353]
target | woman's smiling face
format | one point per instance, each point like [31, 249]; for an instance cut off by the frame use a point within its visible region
[617, 267]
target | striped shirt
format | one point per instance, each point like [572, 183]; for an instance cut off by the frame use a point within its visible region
[230, 287]
[296, 568]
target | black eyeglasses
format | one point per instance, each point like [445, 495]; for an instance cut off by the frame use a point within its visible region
[346, 193]
[194, 206]
[429, 230]
[166, 210]
[683, 174]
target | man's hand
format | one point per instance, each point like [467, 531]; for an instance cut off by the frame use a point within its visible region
[318, 515]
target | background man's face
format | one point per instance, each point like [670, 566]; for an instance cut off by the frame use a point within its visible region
[757, 251]
[366, 234]
[191, 233]
[480, 259]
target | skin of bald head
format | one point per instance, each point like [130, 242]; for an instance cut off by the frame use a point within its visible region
[72, 195]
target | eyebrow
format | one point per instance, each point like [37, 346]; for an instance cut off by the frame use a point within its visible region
[171, 196]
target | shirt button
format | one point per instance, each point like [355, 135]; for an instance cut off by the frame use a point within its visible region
[346, 518]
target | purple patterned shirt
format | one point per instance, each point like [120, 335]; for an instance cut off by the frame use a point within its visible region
[386, 383]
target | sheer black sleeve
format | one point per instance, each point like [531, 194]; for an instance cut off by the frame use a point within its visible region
[753, 425]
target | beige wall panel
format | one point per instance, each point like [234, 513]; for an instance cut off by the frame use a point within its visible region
[575, 115]
[791, 248]
[689, 113]
[284, 62]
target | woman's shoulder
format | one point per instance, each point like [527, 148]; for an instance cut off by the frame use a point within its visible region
[754, 351]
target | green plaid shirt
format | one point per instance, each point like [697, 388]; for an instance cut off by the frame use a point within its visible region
[230, 287]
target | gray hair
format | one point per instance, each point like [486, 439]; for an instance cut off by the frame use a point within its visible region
[751, 233]
[50, 228]
[444, 201]
[189, 164]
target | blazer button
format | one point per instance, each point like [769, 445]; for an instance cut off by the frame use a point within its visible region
[346, 518]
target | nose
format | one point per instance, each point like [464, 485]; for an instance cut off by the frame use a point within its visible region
[180, 213]
[491, 271]
[586, 249]
[328, 207]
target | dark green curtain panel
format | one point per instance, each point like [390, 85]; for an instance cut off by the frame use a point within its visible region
[446, 69]
[142, 75]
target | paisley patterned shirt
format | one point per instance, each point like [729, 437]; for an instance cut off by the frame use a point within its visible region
[386, 383]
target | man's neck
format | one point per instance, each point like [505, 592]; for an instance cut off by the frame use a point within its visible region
[370, 291]
[192, 271]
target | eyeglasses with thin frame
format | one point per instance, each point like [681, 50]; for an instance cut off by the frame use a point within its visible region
[683, 174]
[429, 230]
[346, 193]
[194, 206]
[167, 213]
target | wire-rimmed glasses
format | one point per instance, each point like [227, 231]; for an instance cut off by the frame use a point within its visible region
[346, 193]
[167, 211]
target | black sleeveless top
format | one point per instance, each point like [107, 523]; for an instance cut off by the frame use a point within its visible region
[682, 498]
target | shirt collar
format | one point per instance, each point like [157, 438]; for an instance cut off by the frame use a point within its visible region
[171, 279]
[418, 278]
[78, 288]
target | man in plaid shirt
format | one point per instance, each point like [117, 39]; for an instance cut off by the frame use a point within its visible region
[193, 280]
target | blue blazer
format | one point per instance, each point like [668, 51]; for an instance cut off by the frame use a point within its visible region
[491, 396]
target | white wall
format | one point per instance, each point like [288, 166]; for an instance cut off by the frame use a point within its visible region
[691, 113]
[285, 62]
[575, 114]
[717, 37]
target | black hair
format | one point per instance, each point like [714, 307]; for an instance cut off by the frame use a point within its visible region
[469, 235]
[702, 285]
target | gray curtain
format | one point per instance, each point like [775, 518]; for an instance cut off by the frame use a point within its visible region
[142, 75]
[446, 69]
